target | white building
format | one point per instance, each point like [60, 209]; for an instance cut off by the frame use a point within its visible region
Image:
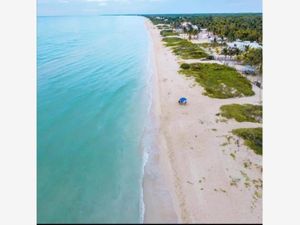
[189, 25]
[186, 24]
[241, 45]
[195, 27]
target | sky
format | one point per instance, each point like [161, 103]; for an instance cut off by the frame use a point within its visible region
[98, 7]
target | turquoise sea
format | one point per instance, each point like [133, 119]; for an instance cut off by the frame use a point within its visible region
[93, 99]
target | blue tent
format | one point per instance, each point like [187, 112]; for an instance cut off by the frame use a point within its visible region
[182, 101]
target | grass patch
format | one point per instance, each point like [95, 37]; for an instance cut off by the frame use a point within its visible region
[219, 81]
[185, 66]
[163, 27]
[173, 41]
[184, 48]
[166, 33]
[252, 137]
[210, 57]
[247, 184]
[212, 45]
[258, 194]
[247, 164]
[232, 155]
[242, 113]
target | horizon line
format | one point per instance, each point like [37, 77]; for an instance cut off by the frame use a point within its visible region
[148, 14]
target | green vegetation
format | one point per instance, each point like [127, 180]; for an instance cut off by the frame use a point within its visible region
[190, 51]
[253, 57]
[233, 27]
[241, 113]
[258, 194]
[244, 26]
[163, 27]
[192, 33]
[212, 45]
[185, 66]
[252, 137]
[232, 155]
[184, 48]
[230, 51]
[210, 57]
[166, 33]
[174, 41]
[219, 81]
[247, 164]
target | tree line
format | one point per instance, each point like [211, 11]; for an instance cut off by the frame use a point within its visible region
[246, 27]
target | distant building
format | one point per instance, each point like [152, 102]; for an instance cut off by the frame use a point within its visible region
[194, 27]
[188, 26]
[219, 39]
[241, 45]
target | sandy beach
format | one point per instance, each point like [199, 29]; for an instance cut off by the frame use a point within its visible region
[191, 175]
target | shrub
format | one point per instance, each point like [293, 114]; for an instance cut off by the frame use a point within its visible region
[219, 81]
[241, 113]
[252, 137]
[184, 48]
[166, 33]
[185, 66]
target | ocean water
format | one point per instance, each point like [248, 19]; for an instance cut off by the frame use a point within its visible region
[93, 102]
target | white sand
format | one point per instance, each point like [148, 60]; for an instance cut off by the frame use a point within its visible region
[188, 177]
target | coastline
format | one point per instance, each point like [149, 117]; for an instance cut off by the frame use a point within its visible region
[155, 184]
[187, 176]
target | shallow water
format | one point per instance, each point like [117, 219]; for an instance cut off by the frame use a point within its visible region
[93, 102]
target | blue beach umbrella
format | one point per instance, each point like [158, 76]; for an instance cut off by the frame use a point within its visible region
[182, 101]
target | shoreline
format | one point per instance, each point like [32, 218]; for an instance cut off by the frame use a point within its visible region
[187, 176]
[155, 187]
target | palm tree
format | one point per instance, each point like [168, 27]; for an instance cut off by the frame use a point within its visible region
[190, 33]
[185, 30]
[225, 52]
[195, 33]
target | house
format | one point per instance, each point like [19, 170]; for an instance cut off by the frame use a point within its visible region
[189, 25]
[241, 45]
[186, 24]
[254, 45]
[194, 27]
[219, 39]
